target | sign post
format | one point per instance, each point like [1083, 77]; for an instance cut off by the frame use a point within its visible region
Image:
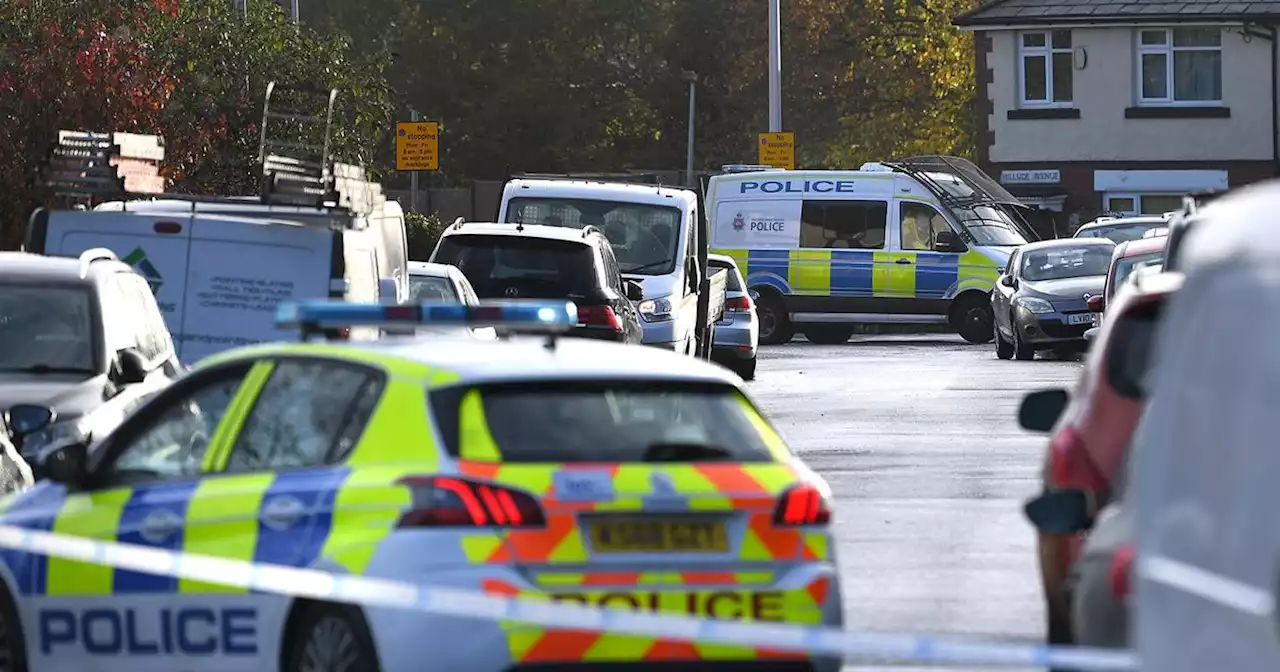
[778, 150]
[417, 148]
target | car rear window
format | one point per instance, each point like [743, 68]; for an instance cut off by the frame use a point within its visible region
[516, 267]
[592, 421]
[732, 285]
[431, 288]
[1129, 360]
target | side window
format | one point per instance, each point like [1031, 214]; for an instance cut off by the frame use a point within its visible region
[919, 226]
[307, 413]
[843, 224]
[157, 331]
[1012, 269]
[611, 267]
[117, 301]
[152, 340]
[174, 444]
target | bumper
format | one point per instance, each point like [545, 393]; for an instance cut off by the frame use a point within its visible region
[598, 333]
[662, 334]
[456, 643]
[1049, 329]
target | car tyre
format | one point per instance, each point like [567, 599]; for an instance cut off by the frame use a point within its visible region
[746, 369]
[333, 638]
[775, 324]
[828, 335]
[1021, 351]
[1004, 349]
[973, 318]
[13, 646]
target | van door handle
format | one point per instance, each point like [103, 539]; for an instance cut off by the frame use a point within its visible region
[903, 261]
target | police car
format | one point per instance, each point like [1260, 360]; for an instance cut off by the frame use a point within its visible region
[568, 470]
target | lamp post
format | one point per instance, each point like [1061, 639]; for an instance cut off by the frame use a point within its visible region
[775, 66]
[691, 77]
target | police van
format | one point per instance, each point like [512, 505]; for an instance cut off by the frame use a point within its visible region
[919, 241]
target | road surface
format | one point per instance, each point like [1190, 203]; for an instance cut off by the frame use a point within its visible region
[918, 437]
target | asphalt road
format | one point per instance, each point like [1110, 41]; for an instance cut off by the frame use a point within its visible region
[918, 438]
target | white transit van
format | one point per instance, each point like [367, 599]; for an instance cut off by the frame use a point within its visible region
[220, 265]
[921, 241]
[656, 235]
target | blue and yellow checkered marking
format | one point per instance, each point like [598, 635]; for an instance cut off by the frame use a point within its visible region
[865, 273]
[218, 515]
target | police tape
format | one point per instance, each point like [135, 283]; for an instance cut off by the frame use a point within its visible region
[472, 604]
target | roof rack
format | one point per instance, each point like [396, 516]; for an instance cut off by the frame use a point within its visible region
[627, 177]
[87, 164]
[746, 168]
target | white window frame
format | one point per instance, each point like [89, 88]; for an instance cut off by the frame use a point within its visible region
[1169, 50]
[1137, 197]
[1047, 51]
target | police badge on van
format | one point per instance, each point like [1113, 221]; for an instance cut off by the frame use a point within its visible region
[739, 222]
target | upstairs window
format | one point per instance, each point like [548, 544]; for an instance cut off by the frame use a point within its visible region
[1046, 68]
[1179, 66]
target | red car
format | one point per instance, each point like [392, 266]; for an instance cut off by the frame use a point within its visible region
[1128, 257]
[1091, 430]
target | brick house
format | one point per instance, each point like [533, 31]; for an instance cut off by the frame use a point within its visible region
[1092, 106]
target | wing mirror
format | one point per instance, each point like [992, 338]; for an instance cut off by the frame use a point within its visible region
[1040, 410]
[130, 367]
[634, 291]
[1006, 280]
[948, 241]
[1097, 303]
[68, 464]
[1060, 512]
[23, 419]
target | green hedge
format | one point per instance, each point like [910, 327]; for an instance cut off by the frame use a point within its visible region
[423, 232]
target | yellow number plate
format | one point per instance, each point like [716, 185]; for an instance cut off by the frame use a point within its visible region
[658, 536]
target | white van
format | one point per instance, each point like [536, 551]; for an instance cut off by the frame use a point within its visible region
[219, 267]
[916, 242]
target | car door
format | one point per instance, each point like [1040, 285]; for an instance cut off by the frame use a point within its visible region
[936, 273]
[145, 487]
[1002, 296]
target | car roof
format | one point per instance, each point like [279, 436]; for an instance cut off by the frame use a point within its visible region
[1133, 248]
[430, 268]
[39, 268]
[1065, 242]
[598, 190]
[565, 233]
[1113, 221]
[522, 358]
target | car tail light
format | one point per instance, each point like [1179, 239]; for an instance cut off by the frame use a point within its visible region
[339, 334]
[802, 505]
[738, 304]
[1121, 566]
[444, 501]
[598, 316]
[1070, 463]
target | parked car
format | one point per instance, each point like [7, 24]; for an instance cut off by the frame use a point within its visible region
[1122, 229]
[1129, 256]
[430, 282]
[83, 337]
[737, 335]
[528, 261]
[1092, 429]
[1041, 298]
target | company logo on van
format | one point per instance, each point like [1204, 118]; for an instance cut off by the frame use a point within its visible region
[138, 260]
[797, 187]
[738, 222]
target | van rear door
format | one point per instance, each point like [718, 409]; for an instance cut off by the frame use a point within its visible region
[240, 269]
[156, 245]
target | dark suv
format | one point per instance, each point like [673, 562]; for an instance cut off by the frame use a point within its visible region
[82, 342]
[516, 261]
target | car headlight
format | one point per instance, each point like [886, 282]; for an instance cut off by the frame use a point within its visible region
[64, 432]
[1035, 305]
[655, 310]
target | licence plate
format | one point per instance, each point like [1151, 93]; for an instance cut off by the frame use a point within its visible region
[1081, 318]
[658, 536]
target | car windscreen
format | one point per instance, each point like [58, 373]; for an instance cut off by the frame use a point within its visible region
[431, 288]
[1129, 363]
[1127, 265]
[1119, 232]
[601, 421]
[1058, 263]
[645, 238]
[47, 329]
[732, 284]
[513, 267]
[989, 225]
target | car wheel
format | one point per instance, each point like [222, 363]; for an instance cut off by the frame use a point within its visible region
[775, 325]
[13, 648]
[828, 335]
[1004, 349]
[746, 369]
[333, 638]
[973, 319]
[1021, 351]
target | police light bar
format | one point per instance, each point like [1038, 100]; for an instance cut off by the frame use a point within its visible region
[523, 315]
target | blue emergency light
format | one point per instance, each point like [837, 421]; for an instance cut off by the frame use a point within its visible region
[541, 316]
